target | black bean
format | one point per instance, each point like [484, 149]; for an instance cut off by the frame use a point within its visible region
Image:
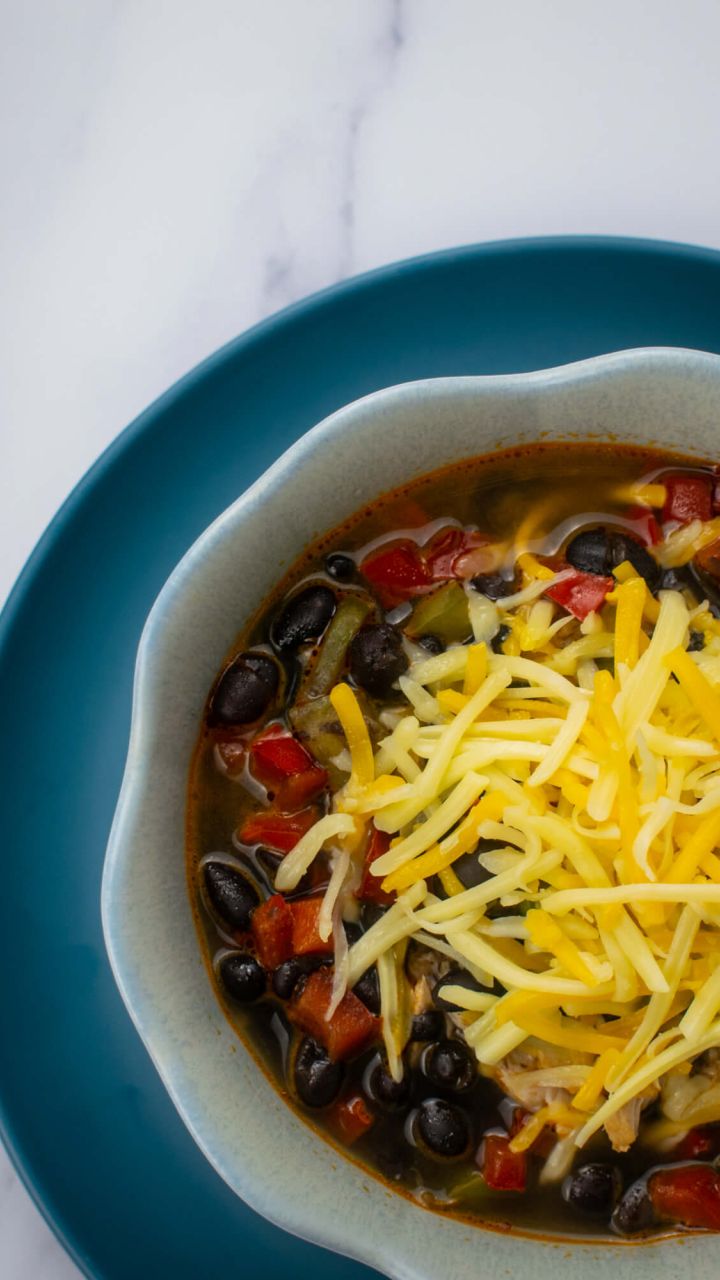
[432, 643]
[353, 932]
[317, 1080]
[304, 617]
[454, 978]
[675, 579]
[634, 1212]
[589, 552]
[696, 641]
[626, 548]
[377, 658]
[468, 868]
[501, 635]
[389, 1094]
[231, 894]
[288, 974]
[245, 690]
[493, 585]
[429, 1025]
[450, 1064]
[600, 551]
[593, 1189]
[704, 586]
[367, 989]
[340, 567]
[243, 977]
[370, 913]
[443, 1128]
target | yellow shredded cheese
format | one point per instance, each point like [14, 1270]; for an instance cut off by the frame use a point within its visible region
[597, 799]
[353, 724]
[701, 693]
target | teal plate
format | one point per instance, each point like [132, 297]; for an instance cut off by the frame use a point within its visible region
[82, 1110]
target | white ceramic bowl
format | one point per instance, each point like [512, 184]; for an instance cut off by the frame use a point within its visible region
[279, 1165]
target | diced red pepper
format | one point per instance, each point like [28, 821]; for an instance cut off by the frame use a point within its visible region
[580, 593]
[370, 888]
[351, 1118]
[272, 929]
[442, 551]
[278, 831]
[688, 1195]
[305, 933]
[283, 764]
[397, 572]
[294, 793]
[689, 497]
[350, 1028]
[404, 569]
[503, 1169]
[645, 526]
[698, 1144]
[277, 755]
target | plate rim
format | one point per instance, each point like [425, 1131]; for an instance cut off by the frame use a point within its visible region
[143, 423]
[138, 793]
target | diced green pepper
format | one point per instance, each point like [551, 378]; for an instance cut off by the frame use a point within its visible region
[444, 613]
[324, 672]
[316, 725]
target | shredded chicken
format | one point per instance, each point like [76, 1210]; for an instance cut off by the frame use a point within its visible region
[421, 996]
[538, 1075]
[693, 1099]
[527, 1074]
[423, 963]
[622, 1127]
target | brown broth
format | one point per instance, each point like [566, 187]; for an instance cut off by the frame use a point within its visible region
[562, 487]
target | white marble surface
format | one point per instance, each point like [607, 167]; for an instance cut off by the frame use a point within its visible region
[173, 170]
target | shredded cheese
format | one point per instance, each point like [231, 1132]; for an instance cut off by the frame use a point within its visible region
[597, 799]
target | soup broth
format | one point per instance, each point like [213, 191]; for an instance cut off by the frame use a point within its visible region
[545, 579]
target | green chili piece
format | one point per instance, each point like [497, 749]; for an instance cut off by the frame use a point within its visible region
[316, 725]
[324, 672]
[444, 613]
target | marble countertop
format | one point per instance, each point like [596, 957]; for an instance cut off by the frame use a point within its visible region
[175, 171]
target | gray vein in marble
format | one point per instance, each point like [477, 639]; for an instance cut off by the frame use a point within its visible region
[390, 43]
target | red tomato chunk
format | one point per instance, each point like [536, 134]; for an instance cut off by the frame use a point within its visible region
[688, 1195]
[277, 755]
[397, 572]
[306, 938]
[699, 1143]
[442, 552]
[277, 831]
[351, 1118]
[581, 593]
[503, 1169]
[272, 928]
[283, 764]
[645, 525]
[350, 1028]
[689, 498]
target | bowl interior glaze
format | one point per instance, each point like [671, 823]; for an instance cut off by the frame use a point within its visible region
[277, 1163]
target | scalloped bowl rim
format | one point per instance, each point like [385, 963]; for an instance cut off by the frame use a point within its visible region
[407, 1253]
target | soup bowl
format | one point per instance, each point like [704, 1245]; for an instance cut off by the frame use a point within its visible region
[273, 1159]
